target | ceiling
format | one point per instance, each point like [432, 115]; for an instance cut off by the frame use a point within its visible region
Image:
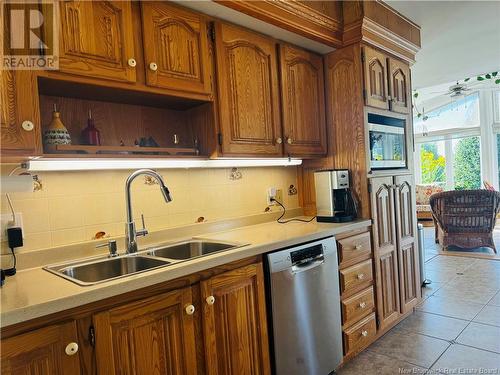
[459, 39]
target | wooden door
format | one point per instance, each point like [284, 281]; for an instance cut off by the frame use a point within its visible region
[399, 86]
[96, 39]
[234, 322]
[20, 132]
[302, 102]
[408, 258]
[375, 76]
[248, 92]
[42, 352]
[175, 48]
[151, 336]
[385, 251]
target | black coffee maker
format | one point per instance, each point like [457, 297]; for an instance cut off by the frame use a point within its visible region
[335, 202]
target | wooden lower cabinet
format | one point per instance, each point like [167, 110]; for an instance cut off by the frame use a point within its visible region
[151, 336]
[42, 352]
[234, 322]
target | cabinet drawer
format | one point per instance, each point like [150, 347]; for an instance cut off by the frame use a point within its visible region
[357, 306]
[360, 334]
[356, 247]
[354, 277]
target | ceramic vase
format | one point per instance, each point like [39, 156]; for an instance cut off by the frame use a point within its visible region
[56, 133]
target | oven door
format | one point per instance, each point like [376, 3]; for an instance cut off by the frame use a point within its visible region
[387, 146]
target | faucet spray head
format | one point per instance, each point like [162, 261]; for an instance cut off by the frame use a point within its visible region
[166, 194]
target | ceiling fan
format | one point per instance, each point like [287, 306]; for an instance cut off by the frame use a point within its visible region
[455, 91]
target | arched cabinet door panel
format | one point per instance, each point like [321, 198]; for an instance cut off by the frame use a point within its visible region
[399, 86]
[375, 76]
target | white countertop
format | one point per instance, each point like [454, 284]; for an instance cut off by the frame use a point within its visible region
[34, 292]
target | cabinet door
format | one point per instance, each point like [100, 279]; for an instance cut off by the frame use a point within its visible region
[303, 102]
[385, 251]
[19, 113]
[248, 92]
[399, 86]
[175, 48]
[42, 352]
[151, 336]
[375, 78]
[234, 322]
[96, 39]
[409, 271]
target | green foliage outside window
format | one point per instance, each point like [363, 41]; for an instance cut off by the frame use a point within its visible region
[432, 164]
[467, 166]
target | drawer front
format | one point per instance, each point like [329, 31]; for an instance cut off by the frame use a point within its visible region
[360, 334]
[355, 248]
[357, 276]
[356, 307]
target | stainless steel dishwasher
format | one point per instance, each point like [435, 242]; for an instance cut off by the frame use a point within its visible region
[304, 291]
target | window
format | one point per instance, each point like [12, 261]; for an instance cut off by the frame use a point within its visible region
[498, 155]
[432, 163]
[466, 163]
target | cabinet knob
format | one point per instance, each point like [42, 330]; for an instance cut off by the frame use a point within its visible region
[153, 66]
[71, 348]
[279, 140]
[131, 62]
[190, 309]
[362, 305]
[210, 300]
[364, 333]
[358, 247]
[289, 141]
[361, 276]
[27, 125]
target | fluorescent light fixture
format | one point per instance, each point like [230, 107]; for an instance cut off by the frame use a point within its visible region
[47, 164]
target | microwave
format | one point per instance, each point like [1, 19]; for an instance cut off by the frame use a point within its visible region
[387, 142]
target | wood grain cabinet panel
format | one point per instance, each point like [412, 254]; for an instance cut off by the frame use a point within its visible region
[399, 86]
[234, 322]
[302, 101]
[356, 307]
[151, 336]
[19, 103]
[409, 272]
[356, 277]
[96, 39]
[41, 352]
[354, 248]
[385, 251]
[360, 334]
[248, 92]
[375, 76]
[175, 48]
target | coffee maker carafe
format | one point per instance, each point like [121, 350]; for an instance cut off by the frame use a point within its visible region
[334, 200]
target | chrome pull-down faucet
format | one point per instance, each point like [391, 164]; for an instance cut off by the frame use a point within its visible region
[130, 232]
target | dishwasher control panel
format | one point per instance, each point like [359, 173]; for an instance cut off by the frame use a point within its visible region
[307, 254]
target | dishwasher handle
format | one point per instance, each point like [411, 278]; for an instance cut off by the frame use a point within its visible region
[309, 264]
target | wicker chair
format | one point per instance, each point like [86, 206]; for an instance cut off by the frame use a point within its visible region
[465, 218]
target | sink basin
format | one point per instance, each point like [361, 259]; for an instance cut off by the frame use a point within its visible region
[90, 273]
[191, 249]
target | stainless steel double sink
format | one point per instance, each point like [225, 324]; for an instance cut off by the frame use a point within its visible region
[101, 269]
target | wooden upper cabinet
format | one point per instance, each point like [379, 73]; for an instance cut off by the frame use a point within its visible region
[375, 75]
[42, 352]
[175, 48]
[151, 336]
[96, 39]
[409, 271]
[385, 251]
[234, 322]
[19, 113]
[248, 92]
[303, 102]
[399, 86]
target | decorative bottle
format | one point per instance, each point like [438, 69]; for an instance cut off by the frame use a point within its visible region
[91, 135]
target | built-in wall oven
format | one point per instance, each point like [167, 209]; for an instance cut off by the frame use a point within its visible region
[387, 141]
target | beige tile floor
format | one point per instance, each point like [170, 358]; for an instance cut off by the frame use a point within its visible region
[456, 328]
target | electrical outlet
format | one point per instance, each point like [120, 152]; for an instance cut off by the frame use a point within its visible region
[271, 193]
[6, 222]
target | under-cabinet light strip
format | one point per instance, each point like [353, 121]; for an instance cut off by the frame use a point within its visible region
[45, 164]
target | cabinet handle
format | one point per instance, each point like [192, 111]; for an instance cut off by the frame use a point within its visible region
[210, 300]
[362, 305]
[71, 348]
[153, 66]
[131, 62]
[364, 333]
[190, 309]
[28, 125]
[289, 141]
[358, 247]
[361, 276]
[279, 140]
